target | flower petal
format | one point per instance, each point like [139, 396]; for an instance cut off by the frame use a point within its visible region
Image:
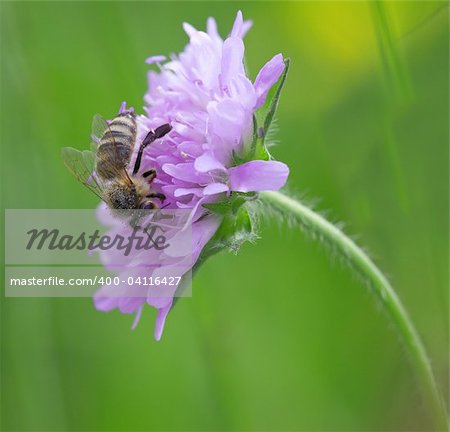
[161, 319]
[137, 318]
[211, 28]
[185, 172]
[232, 60]
[155, 59]
[227, 120]
[206, 162]
[130, 304]
[189, 29]
[246, 26]
[267, 77]
[258, 176]
[104, 302]
[240, 27]
[215, 188]
[237, 25]
[179, 192]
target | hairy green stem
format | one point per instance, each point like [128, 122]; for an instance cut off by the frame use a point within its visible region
[365, 267]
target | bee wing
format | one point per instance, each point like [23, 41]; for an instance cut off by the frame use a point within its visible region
[100, 127]
[82, 165]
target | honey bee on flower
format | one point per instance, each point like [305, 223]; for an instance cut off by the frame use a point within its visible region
[213, 160]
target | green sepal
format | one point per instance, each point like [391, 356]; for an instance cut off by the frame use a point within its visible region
[231, 204]
[276, 97]
[258, 150]
[235, 229]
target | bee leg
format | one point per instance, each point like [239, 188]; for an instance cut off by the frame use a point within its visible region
[149, 175]
[159, 132]
[158, 195]
[162, 130]
[137, 164]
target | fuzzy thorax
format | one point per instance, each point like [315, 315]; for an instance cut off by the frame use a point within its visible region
[123, 194]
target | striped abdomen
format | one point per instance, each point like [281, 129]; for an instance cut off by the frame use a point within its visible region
[116, 146]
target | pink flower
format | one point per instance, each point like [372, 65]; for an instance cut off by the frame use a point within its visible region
[206, 96]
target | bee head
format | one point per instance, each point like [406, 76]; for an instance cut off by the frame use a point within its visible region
[147, 205]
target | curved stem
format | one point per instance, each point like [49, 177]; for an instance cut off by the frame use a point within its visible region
[361, 262]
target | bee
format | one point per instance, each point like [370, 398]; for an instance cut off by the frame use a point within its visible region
[105, 168]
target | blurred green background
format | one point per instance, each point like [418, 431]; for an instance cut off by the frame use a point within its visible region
[276, 338]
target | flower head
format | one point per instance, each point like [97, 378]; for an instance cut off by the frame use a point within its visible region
[209, 156]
